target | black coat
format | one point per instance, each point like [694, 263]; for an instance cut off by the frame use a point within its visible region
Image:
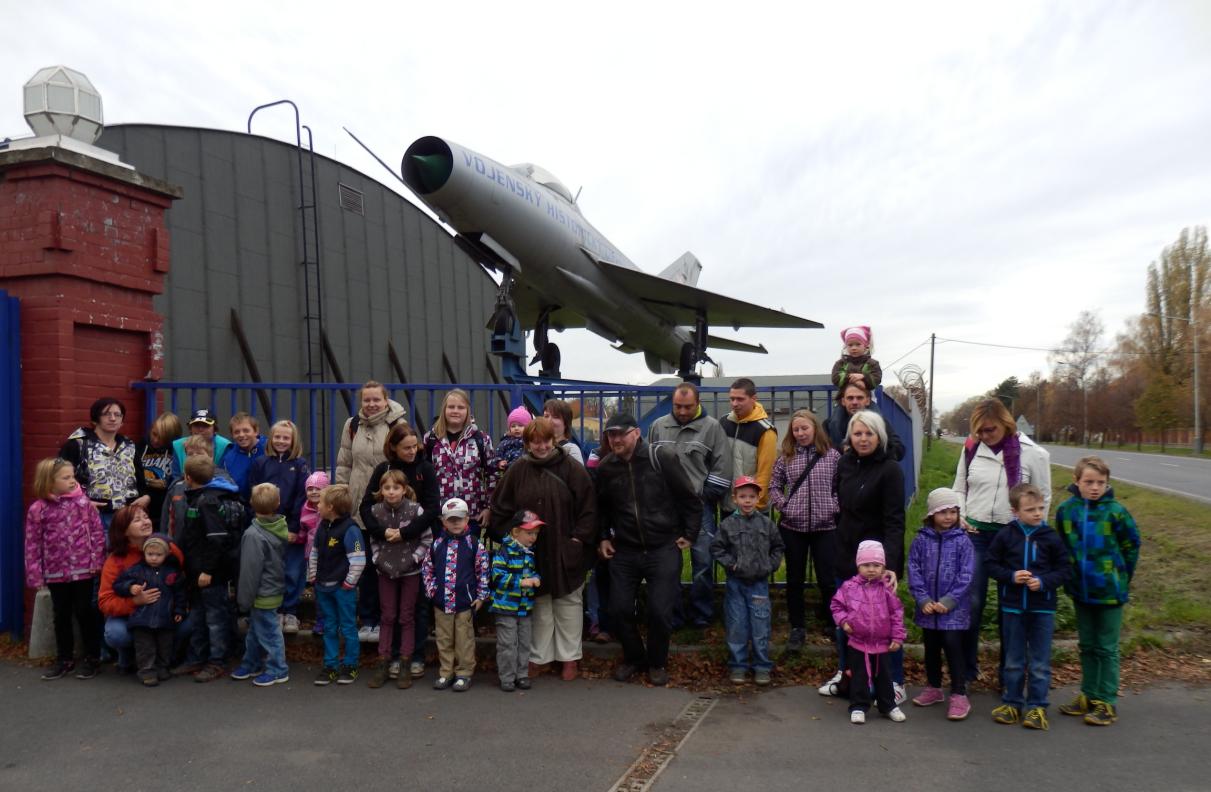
[1042, 552]
[423, 480]
[169, 579]
[870, 492]
[648, 501]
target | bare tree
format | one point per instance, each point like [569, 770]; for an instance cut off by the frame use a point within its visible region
[1078, 358]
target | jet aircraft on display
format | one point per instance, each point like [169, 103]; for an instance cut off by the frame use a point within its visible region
[559, 272]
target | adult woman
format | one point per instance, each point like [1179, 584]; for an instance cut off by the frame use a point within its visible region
[459, 453]
[801, 489]
[548, 482]
[106, 463]
[559, 413]
[362, 440]
[996, 457]
[129, 529]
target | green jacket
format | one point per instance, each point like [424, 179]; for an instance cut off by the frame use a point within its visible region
[1104, 544]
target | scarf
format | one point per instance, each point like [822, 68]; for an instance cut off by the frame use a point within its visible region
[1010, 449]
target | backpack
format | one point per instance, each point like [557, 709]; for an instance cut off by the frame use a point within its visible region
[356, 421]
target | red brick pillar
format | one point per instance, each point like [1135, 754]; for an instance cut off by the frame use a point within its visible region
[84, 247]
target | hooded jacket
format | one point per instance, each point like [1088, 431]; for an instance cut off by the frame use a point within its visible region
[870, 493]
[107, 477]
[206, 538]
[290, 477]
[1104, 543]
[704, 448]
[647, 502]
[423, 480]
[940, 568]
[239, 462]
[872, 610]
[362, 448]
[262, 578]
[512, 564]
[402, 558]
[754, 448]
[558, 489]
[455, 572]
[169, 579]
[463, 467]
[178, 453]
[64, 539]
[984, 488]
[1038, 549]
[109, 603]
[748, 546]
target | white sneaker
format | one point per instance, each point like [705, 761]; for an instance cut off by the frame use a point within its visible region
[829, 688]
[416, 669]
[363, 634]
[393, 670]
[901, 694]
[291, 624]
[374, 635]
[858, 716]
[897, 715]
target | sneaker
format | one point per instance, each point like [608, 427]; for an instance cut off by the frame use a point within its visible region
[88, 668]
[374, 634]
[266, 679]
[1079, 706]
[738, 676]
[832, 686]
[441, 683]
[346, 675]
[857, 717]
[363, 633]
[403, 681]
[150, 681]
[243, 672]
[378, 677]
[929, 696]
[625, 671]
[508, 687]
[1101, 714]
[59, 670]
[523, 683]
[761, 677]
[659, 677]
[797, 639]
[896, 715]
[290, 624]
[394, 669]
[326, 676]
[901, 694]
[185, 669]
[1007, 714]
[461, 684]
[1036, 718]
[958, 708]
[417, 669]
[210, 673]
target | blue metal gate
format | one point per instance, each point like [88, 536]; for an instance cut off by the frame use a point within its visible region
[12, 533]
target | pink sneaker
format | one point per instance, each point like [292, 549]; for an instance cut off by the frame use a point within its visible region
[959, 707]
[929, 696]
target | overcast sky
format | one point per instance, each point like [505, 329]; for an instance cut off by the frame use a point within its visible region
[980, 173]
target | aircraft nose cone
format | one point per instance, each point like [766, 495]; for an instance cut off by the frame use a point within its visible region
[431, 170]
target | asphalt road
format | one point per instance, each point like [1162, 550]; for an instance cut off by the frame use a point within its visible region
[1189, 477]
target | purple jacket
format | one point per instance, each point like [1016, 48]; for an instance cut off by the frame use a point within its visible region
[873, 611]
[64, 540]
[813, 507]
[940, 568]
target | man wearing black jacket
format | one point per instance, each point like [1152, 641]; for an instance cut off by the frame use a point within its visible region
[649, 511]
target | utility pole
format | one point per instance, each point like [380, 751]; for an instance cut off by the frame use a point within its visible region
[1038, 412]
[929, 420]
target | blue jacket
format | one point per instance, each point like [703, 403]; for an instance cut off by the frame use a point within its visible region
[1039, 550]
[178, 453]
[510, 565]
[454, 589]
[338, 557]
[290, 477]
[169, 579]
[238, 463]
[940, 567]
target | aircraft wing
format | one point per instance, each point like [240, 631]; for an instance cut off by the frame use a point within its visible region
[680, 304]
[529, 305]
[715, 342]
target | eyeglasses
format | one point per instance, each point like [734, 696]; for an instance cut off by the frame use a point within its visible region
[112, 414]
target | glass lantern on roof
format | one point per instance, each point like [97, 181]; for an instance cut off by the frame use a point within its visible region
[62, 101]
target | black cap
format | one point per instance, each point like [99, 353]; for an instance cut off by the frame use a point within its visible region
[621, 422]
[202, 416]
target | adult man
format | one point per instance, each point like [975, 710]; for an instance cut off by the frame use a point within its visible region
[649, 511]
[852, 398]
[705, 454]
[754, 439]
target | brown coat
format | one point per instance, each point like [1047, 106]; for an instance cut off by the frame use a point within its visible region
[558, 489]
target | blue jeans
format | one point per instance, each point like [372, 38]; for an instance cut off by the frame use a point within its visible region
[702, 566]
[746, 613]
[264, 647]
[1027, 658]
[339, 608]
[212, 624]
[296, 578]
[118, 636]
[980, 541]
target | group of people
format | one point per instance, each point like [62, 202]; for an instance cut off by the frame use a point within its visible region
[418, 531]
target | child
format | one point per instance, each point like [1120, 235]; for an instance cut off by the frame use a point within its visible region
[941, 563]
[398, 550]
[64, 551]
[283, 466]
[514, 578]
[335, 566]
[155, 460]
[172, 519]
[262, 582]
[309, 519]
[855, 363]
[511, 446]
[749, 547]
[153, 625]
[458, 561]
[247, 445]
[1105, 546]
[1028, 560]
[872, 616]
[209, 539]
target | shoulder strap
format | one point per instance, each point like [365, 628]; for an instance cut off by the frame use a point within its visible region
[478, 437]
[803, 477]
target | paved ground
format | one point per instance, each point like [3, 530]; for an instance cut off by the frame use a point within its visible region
[1186, 476]
[110, 734]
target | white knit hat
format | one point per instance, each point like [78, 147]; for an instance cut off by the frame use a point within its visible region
[941, 499]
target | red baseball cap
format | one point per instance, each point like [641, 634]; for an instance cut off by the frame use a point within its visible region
[745, 481]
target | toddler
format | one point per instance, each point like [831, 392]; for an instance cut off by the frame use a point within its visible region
[261, 589]
[456, 580]
[514, 579]
[855, 363]
[335, 566]
[309, 518]
[153, 626]
[511, 446]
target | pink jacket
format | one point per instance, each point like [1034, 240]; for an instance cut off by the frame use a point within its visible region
[873, 611]
[64, 540]
[309, 518]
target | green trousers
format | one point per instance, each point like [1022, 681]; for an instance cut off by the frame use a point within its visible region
[1098, 630]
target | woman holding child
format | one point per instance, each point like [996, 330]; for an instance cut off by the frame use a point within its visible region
[550, 483]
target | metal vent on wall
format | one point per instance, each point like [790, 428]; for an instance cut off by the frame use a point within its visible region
[351, 199]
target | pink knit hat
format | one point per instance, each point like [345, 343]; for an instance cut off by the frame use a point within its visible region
[860, 332]
[520, 415]
[318, 479]
[870, 552]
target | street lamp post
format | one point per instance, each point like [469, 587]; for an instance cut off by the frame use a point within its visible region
[1198, 423]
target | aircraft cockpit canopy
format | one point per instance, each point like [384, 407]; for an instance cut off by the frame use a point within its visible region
[546, 179]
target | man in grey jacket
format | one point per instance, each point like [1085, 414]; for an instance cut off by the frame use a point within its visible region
[705, 454]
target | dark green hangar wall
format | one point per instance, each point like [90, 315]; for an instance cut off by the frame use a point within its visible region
[389, 273]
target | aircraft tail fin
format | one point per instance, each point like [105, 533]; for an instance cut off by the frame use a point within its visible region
[684, 270]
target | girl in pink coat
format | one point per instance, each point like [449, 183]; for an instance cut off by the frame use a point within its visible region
[64, 551]
[872, 617]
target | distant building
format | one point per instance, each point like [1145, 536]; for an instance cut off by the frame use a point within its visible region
[1025, 427]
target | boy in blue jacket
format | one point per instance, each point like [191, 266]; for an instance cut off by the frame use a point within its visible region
[514, 579]
[456, 580]
[1030, 563]
[153, 625]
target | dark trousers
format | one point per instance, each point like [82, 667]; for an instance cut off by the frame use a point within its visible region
[949, 642]
[859, 686]
[980, 542]
[153, 650]
[660, 568]
[75, 600]
[821, 546]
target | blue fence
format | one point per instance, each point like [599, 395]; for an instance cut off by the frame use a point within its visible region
[12, 558]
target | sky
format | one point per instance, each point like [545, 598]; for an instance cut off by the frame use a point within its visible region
[982, 173]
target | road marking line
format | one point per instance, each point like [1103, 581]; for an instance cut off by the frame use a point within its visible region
[657, 754]
[1169, 464]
